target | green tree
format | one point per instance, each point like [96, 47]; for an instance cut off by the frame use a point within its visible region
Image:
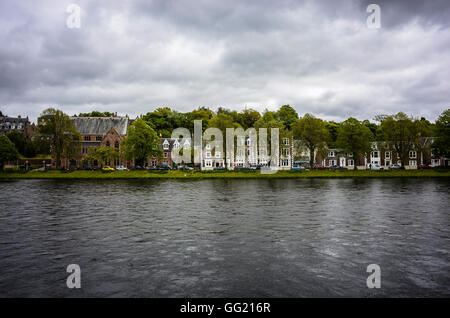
[8, 151]
[399, 132]
[142, 142]
[248, 118]
[19, 140]
[441, 144]
[332, 128]
[288, 116]
[102, 155]
[96, 113]
[312, 134]
[57, 128]
[354, 137]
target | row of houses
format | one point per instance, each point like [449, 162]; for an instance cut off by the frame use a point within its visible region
[111, 131]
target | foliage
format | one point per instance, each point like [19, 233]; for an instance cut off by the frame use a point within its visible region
[8, 151]
[354, 137]
[441, 145]
[312, 134]
[142, 142]
[399, 133]
[96, 113]
[102, 155]
[56, 128]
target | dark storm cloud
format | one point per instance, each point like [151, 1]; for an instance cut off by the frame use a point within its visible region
[318, 56]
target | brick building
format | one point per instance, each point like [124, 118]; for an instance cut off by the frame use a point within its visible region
[99, 132]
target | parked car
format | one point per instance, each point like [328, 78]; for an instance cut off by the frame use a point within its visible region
[374, 166]
[219, 168]
[150, 168]
[336, 167]
[137, 168]
[107, 169]
[185, 168]
[394, 166]
[89, 168]
[121, 168]
[298, 168]
[425, 167]
[163, 167]
[240, 168]
[321, 167]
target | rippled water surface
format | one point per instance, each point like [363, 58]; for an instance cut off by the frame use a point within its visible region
[230, 238]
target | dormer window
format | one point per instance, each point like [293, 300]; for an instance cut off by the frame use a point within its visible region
[165, 145]
[208, 146]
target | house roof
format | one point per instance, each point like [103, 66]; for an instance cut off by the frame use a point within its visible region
[172, 141]
[100, 125]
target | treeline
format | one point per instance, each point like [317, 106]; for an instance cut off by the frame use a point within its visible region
[399, 132]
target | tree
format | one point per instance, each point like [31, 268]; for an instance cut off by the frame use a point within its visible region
[57, 128]
[354, 137]
[96, 113]
[8, 151]
[248, 118]
[441, 144]
[312, 134]
[288, 116]
[142, 142]
[102, 155]
[398, 132]
[18, 139]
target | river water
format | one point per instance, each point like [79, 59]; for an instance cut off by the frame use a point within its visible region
[225, 238]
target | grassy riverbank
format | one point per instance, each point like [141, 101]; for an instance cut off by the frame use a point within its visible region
[225, 174]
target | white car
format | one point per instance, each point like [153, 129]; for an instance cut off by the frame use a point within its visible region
[373, 166]
[121, 168]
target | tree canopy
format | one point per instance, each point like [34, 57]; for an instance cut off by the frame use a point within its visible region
[8, 151]
[57, 129]
[141, 143]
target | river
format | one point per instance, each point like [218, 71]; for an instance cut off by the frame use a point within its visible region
[225, 238]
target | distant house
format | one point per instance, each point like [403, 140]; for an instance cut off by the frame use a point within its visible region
[99, 132]
[167, 145]
[20, 124]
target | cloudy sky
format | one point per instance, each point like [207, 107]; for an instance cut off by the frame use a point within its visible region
[134, 56]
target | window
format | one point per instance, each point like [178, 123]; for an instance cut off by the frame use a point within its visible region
[249, 142]
[165, 146]
[176, 145]
[435, 162]
[413, 163]
[285, 162]
[208, 154]
[98, 138]
[108, 144]
[166, 155]
[332, 154]
[249, 152]
[375, 154]
[285, 151]
[240, 153]
[87, 138]
[350, 155]
[332, 162]
[350, 162]
[116, 145]
[412, 154]
[208, 163]
[208, 147]
[387, 155]
[217, 154]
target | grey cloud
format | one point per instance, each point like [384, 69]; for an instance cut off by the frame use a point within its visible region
[318, 56]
